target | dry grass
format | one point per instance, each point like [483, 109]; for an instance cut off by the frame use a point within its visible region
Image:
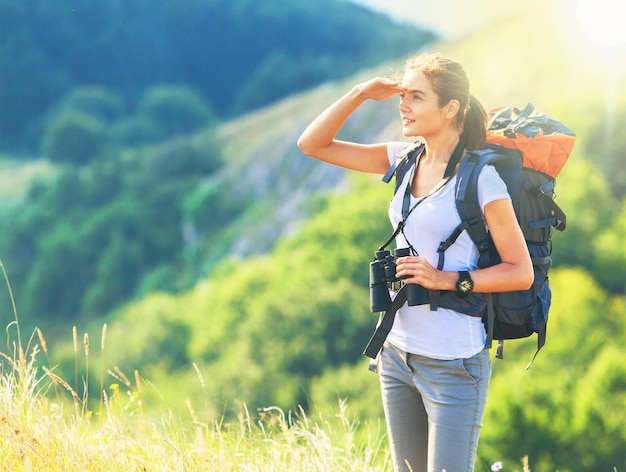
[46, 424]
[44, 430]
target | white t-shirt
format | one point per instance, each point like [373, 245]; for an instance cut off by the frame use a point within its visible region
[442, 334]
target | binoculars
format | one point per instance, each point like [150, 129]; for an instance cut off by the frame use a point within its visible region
[383, 280]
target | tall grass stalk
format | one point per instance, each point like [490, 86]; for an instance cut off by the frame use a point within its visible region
[75, 339]
[44, 346]
[103, 341]
[15, 321]
[39, 433]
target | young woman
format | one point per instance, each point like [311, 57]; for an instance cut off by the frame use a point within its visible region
[434, 369]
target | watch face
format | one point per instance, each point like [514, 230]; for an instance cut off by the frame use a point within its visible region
[465, 286]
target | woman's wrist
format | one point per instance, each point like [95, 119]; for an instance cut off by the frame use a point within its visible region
[357, 93]
[449, 280]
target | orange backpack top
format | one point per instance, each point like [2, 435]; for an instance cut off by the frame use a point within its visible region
[545, 143]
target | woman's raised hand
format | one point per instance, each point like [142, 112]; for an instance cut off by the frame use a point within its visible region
[379, 88]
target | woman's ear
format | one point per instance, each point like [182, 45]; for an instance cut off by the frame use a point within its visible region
[452, 108]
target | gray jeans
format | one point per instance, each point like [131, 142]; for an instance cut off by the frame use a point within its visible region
[434, 409]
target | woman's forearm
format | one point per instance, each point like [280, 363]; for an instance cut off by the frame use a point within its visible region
[323, 129]
[318, 139]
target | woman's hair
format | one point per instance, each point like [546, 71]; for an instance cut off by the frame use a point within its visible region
[450, 82]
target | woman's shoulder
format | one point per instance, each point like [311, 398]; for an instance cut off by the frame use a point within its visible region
[491, 186]
[489, 173]
[399, 149]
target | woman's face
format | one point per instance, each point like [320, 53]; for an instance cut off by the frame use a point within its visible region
[419, 106]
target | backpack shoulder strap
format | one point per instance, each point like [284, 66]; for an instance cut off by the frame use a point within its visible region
[403, 163]
[472, 218]
[467, 200]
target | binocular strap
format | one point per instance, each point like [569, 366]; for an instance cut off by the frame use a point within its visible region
[384, 326]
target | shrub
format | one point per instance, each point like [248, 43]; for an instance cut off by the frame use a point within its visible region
[74, 137]
[175, 109]
[97, 102]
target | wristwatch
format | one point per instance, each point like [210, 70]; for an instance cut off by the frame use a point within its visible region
[465, 284]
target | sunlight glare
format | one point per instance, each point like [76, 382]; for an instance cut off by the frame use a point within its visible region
[603, 20]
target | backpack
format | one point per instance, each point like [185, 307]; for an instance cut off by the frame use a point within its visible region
[528, 148]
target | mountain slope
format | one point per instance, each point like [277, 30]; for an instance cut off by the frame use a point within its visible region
[264, 163]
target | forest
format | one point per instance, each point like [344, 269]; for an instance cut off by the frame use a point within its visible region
[230, 269]
[237, 55]
[125, 187]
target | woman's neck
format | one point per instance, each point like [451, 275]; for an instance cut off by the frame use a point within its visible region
[439, 149]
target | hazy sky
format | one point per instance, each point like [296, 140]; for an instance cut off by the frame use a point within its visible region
[602, 19]
[451, 18]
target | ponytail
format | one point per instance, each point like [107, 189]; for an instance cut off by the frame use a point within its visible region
[474, 135]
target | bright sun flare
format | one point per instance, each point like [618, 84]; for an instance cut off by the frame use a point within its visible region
[603, 20]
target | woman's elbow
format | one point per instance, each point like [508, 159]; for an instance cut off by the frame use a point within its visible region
[528, 282]
[311, 147]
[308, 146]
[304, 145]
[527, 277]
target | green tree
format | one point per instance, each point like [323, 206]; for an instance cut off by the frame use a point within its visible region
[118, 269]
[74, 137]
[160, 336]
[132, 131]
[60, 276]
[95, 101]
[610, 253]
[175, 110]
[588, 207]
[210, 207]
[606, 145]
[181, 158]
